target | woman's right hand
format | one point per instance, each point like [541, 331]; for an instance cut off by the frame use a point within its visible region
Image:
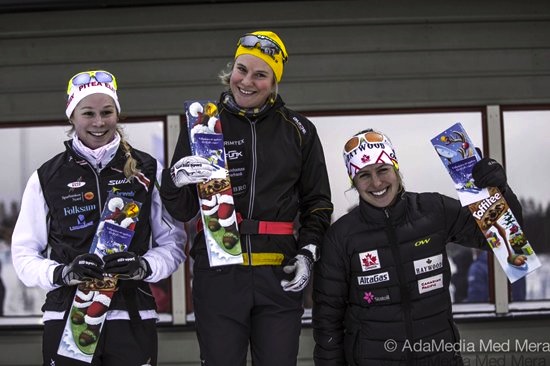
[190, 170]
[83, 268]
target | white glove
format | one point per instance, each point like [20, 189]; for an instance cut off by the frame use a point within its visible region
[191, 169]
[301, 267]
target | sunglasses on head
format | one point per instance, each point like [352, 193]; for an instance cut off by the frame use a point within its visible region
[85, 77]
[263, 43]
[355, 141]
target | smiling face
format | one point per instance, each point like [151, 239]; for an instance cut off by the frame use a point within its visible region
[251, 81]
[95, 120]
[378, 184]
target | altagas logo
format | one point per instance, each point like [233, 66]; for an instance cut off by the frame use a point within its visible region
[485, 205]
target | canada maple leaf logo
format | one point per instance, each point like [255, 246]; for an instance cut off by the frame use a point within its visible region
[370, 260]
[365, 159]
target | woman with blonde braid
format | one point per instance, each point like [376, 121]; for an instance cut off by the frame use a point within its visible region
[60, 213]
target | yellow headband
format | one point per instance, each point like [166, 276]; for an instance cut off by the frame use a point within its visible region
[275, 61]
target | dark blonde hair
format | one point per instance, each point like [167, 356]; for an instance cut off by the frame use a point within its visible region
[130, 167]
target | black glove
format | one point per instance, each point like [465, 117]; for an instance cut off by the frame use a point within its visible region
[83, 268]
[127, 265]
[489, 173]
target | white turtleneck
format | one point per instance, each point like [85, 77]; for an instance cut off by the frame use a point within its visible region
[99, 157]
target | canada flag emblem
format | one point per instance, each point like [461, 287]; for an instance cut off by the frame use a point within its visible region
[369, 260]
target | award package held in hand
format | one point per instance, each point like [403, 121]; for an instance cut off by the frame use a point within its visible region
[488, 206]
[219, 219]
[92, 299]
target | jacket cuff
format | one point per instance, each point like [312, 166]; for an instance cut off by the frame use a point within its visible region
[311, 251]
[58, 275]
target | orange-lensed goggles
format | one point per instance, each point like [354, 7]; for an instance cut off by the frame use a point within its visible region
[355, 141]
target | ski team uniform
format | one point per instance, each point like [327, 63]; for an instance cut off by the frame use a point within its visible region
[59, 216]
[397, 284]
[277, 171]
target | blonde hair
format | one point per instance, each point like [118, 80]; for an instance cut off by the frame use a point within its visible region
[130, 167]
[225, 74]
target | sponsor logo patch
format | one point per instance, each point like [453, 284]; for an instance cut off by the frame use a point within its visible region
[422, 242]
[77, 184]
[430, 283]
[81, 223]
[74, 197]
[234, 154]
[372, 279]
[369, 260]
[428, 264]
[116, 182]
[118, 192]
[372, 297]
[74, 210]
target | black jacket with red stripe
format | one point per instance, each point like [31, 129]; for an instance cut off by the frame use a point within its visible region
[277, 171]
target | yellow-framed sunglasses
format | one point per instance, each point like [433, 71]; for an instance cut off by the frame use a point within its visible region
[85, 77]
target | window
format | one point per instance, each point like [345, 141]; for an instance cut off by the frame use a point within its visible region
[28, 148]
[526, 136]
[418, 162]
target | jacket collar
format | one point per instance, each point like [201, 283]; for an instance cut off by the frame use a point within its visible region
[395, 212]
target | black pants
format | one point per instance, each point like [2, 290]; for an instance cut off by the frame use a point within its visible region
[120, 343]
[236, 305]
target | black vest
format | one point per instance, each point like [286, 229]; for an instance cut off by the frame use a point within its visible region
[75, 194]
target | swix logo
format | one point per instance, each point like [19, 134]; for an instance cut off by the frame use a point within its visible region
[115, 182]
[422, 242]
[369, 260]
[234, 154]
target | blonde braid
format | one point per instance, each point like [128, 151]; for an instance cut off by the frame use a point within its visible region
[130, 167]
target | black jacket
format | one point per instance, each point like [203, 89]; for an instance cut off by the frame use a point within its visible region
[75, 195]
[384, 276]
[277, 171]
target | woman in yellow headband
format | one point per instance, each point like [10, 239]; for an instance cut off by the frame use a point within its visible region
[278, 175]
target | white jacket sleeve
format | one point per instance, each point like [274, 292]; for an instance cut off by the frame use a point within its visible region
[30, 239]
[168, 236]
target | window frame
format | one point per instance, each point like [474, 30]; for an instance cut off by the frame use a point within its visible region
[492, 123]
